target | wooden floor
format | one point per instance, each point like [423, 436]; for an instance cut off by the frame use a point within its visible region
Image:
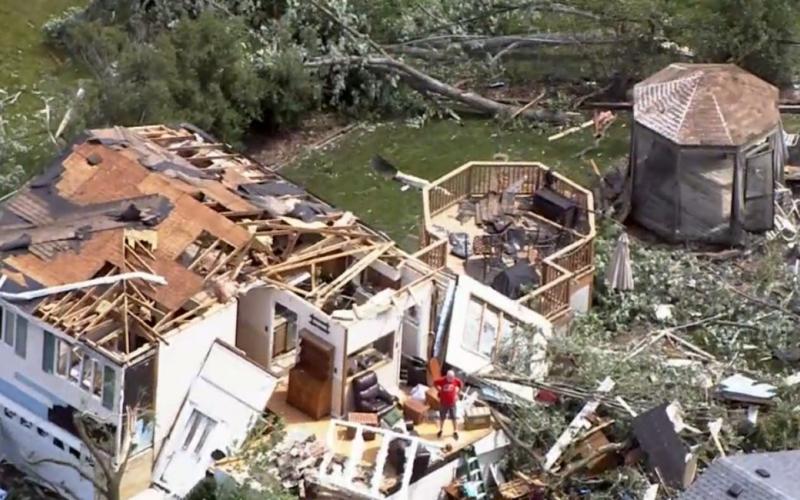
[473, 266]
[297, 421]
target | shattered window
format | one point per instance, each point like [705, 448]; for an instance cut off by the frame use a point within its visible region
[109, 379]
[48, 352]
[97, 382]
[76, 358]
[86, 374]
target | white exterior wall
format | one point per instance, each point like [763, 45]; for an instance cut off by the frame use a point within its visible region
[230, 391]
[42, 389]
[471, 361]
[180, 359]
[26, 438]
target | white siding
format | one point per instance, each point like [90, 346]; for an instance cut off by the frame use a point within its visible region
[47, 389]
[180, 359]
[470, 360]
[223, 403]
[26, 438]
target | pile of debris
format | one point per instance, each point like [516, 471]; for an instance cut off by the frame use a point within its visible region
[695, 364]
[295, 460]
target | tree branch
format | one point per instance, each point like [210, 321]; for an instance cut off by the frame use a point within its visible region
[97, 455]
[424, 82]
[98, 486]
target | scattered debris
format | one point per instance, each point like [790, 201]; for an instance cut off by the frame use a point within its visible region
[666, 453]
[741, 388]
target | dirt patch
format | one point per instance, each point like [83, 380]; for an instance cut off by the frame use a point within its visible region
[281, 148]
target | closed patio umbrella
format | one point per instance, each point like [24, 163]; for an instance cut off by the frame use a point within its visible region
[619, 274]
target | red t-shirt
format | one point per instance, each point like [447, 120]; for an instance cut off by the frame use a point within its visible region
[448, 390]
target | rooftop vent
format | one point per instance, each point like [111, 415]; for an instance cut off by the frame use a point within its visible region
[735, 490]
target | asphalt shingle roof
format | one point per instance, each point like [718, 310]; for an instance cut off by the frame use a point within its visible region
[706, 104]
[783, 468]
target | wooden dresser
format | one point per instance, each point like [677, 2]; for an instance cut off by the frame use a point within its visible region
[311, 379]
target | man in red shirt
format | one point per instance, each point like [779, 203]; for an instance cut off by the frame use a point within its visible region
[448, 386]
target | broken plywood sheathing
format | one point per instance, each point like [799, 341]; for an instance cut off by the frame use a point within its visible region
[666, 453]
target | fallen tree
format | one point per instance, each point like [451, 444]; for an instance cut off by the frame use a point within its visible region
[427, 84]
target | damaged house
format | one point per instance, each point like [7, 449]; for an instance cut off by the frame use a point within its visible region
[160, 292]
[707, 152]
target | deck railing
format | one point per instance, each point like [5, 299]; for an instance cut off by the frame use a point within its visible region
[476, 179]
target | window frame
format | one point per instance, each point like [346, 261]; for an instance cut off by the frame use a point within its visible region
[502, 319]
[57, 353]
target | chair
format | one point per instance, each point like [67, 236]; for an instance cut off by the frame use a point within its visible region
[369, 396]
[488, 246]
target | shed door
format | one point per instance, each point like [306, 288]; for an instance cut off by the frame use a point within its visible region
[758, 199]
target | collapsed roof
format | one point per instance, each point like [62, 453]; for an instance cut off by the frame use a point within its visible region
[706, 104]
[174, 203]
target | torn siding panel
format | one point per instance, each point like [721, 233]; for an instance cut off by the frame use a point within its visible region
[223, 403]
[180, 361]
[466, 345]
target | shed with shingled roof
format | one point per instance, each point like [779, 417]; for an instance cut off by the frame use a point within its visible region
[707, 150]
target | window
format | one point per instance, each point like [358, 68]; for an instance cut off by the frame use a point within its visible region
[74, 364]
[8, 327]
[62, 357]
[48, 352]
[21, 341]
[15, 331]
[108, 387]
[489, 327]
[200, 426]
[486, 328]
[97, 379]
[87, 369]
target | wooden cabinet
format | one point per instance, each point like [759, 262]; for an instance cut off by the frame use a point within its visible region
[311, 380]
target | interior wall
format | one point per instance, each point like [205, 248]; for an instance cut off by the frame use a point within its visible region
[254, 317]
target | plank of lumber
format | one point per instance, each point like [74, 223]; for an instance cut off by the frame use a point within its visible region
[529, 105]
[571, 131]
[579, 422]
[324, 292]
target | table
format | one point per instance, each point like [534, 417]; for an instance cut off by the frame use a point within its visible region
[362, 418]
[415, 410]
